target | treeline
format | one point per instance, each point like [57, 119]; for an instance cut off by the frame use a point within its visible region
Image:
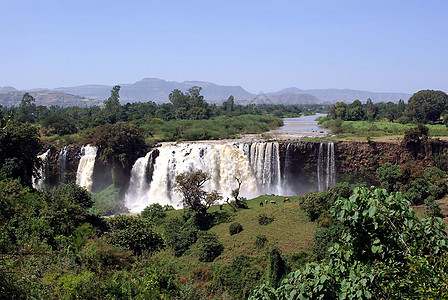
[190, 105]
[426, 106]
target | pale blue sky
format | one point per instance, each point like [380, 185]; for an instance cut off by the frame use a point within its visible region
[395, 46]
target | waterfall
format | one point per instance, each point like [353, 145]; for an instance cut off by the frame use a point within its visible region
[137, 195]
[264, 159]
[85, 167]
[258, 165]
[39, 182]
[326, 169]
[223, 162]
[62, 163]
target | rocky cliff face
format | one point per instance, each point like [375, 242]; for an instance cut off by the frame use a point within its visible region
[358, 161]
[302, 164]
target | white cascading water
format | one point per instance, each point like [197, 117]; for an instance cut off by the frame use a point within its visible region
[264, 159]
[326, 169]
[39, 182]
[223, 162]
[138, 191]
[85, 167]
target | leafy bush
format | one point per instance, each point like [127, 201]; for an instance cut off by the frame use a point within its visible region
[264, 219]
[209, 246]
[384, 251]
[239, 277]
[260, 241]
[235, 228]
[418, 191]
[180, 235]
[432, 208]
[277, 267]
[97, 255]
[313, 204]
[153, 212]
[388, 175]
[324, 238]
[134, 233]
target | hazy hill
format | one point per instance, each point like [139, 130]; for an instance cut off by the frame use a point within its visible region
[7, 89]
[46, 98]
[347, 95]
[285, 99]
[157, 90]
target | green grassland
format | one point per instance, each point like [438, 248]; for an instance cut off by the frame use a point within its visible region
[378, 130]
[291, 232]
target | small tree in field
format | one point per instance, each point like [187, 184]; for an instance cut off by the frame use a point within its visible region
[193, 195]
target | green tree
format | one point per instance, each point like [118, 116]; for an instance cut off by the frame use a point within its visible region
[27, 109]
[209, 246]
[371, 110]
[113, 111]
[427, 106]
[120, 143]
[19, 146]
[355, 111]
[57, 124]
[190, 105]
[338, 111]
[190, 185]
[388, 175]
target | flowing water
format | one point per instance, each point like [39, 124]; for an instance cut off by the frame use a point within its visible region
[85, 168]
[39, 182]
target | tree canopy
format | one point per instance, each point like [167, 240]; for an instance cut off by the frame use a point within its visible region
[19, 146]
[193, 195]
[427, 106]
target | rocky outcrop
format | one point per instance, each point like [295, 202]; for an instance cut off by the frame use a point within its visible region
[358, 161]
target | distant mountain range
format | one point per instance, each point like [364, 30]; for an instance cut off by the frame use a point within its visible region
[158, 90]
[45, 97]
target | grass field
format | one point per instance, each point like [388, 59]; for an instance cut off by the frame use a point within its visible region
[380, 131]
[290, 231]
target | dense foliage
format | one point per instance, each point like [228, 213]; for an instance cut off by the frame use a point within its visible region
[426, 106]
[19, 146]
[384, 251]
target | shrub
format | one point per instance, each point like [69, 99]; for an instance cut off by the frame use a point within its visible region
[277, 267]
[260, 241]
[98, 255]
[153, 212]
[239, 277]
[235, 228]
[432, 208]
[388, 175]
[311, 204]
[264, 219]
[134, 233]
[209, 247]
[324, 238]
[180, 235]
[418, 191]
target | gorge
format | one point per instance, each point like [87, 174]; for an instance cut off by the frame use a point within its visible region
[280, 168]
